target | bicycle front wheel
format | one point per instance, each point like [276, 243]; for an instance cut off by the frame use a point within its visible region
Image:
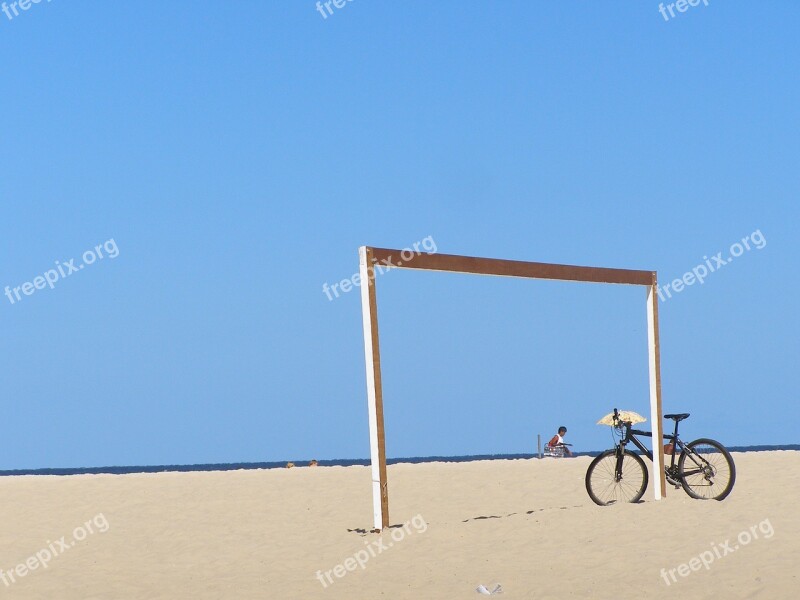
[707, 470]
[606, 488]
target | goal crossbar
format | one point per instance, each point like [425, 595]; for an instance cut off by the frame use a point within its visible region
[510, 268]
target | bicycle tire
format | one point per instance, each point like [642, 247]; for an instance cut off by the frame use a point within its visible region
[601, 480]
[705, 482]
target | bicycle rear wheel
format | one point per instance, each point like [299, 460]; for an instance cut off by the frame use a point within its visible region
[707, 470]
[603, 486]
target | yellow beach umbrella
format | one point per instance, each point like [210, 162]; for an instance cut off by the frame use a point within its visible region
[622, 415]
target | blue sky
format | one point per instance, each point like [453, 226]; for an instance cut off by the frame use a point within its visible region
[239, 153]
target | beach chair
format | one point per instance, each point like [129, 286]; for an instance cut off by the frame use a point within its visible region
[553, 451]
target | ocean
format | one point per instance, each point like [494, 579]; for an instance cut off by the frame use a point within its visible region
[342, 462]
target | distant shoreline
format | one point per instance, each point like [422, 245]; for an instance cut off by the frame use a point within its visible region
[322, 463]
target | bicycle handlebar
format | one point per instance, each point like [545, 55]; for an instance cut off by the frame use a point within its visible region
[619, 422]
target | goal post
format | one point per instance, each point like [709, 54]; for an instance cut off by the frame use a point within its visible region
[372, 259]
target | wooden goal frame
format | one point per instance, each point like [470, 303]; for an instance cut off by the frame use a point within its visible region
[371, 259]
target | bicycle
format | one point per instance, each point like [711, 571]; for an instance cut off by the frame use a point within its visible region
[704, 469]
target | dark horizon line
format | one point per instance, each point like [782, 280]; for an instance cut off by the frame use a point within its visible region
[336, 462]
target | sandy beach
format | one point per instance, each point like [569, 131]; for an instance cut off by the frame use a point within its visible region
[282, 533]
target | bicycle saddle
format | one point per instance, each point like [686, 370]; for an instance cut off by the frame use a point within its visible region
[677, 417]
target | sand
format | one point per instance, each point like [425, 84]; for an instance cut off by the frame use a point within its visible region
[525, 524]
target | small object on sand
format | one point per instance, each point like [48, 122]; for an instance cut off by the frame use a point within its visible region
[313, 462]
[289, 465]
[481, 589]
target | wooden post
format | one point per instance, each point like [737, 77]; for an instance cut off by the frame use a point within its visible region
[539, 444]
[377, 438]
[654, 354]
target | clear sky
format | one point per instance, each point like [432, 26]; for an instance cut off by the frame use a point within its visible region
[239, 153]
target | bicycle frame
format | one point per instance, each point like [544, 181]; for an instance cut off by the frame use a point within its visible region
[629, 436]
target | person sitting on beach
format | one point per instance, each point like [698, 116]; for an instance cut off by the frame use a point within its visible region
[558, 441]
